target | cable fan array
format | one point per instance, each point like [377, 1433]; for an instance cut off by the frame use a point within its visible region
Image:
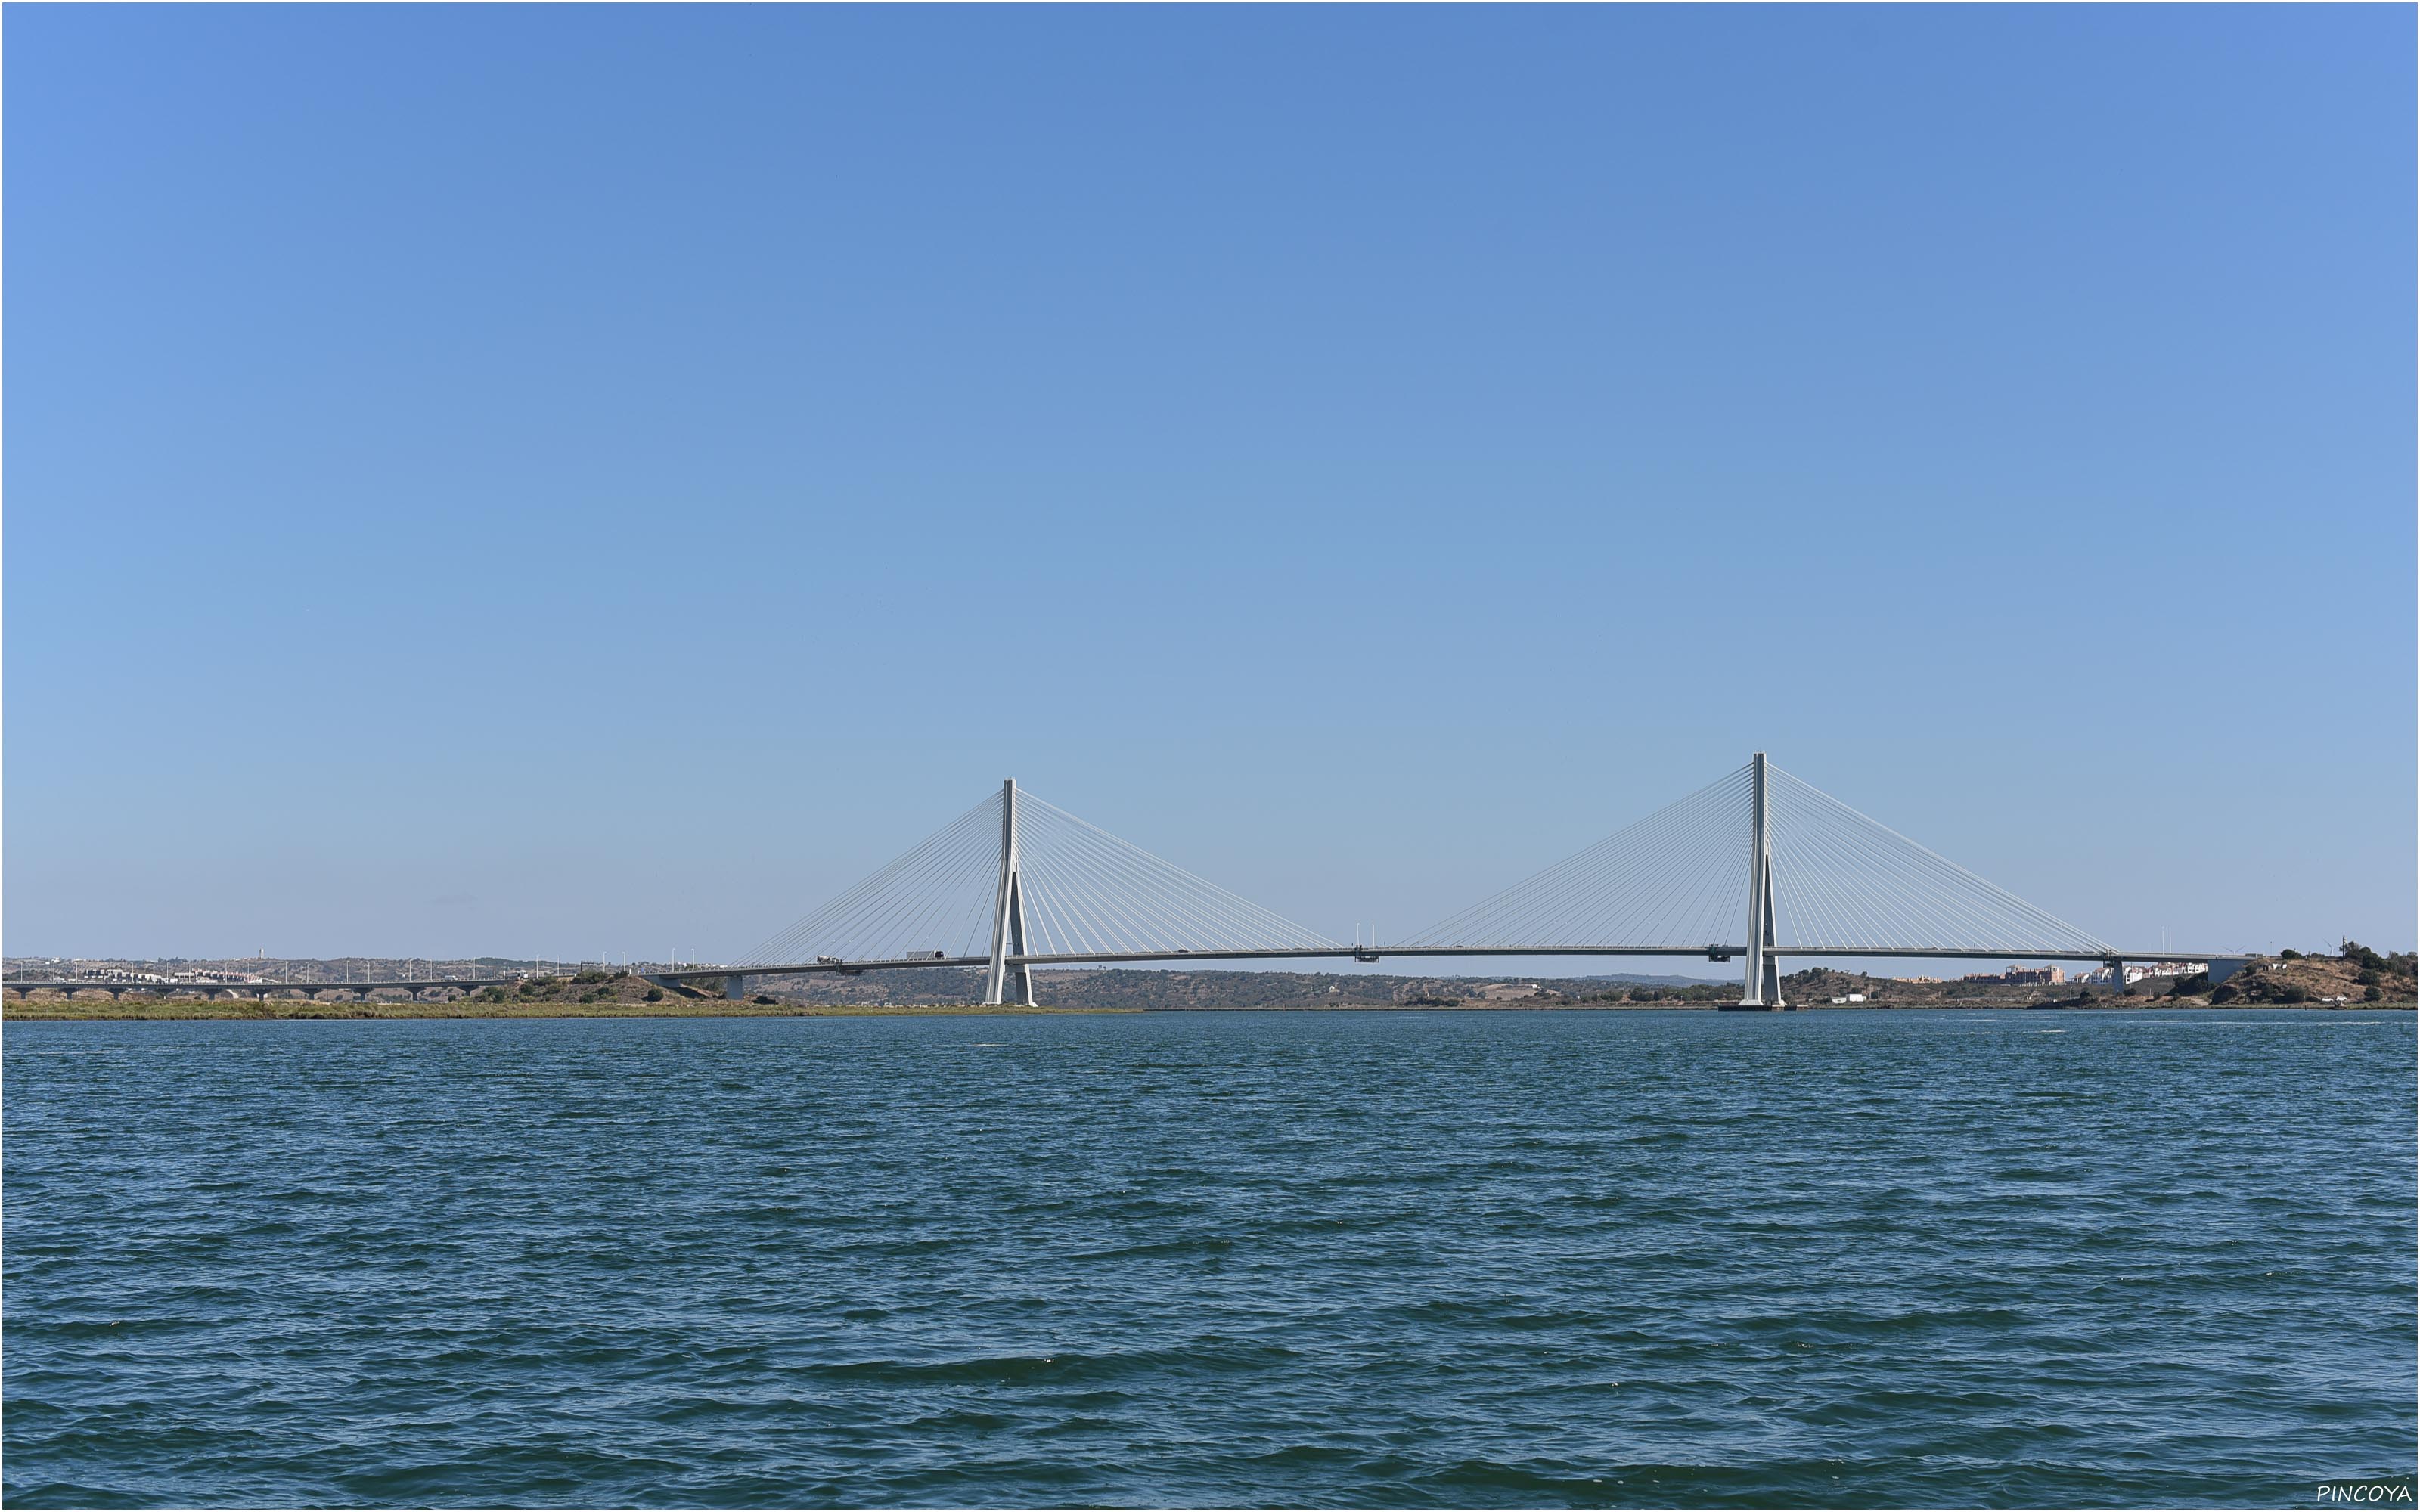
[936, 897]
[1676, 878]
[1842, 880]
[1085, 891]
[1679, 878]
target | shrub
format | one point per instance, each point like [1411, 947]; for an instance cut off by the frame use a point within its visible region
[2289, 955]
[2296, 995]
[655, 994]
[2372, 995]
[2187, 986]
[2363, 956]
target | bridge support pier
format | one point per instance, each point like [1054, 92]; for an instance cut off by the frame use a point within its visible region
[1002, 981]
[1761, 987]
[734, 988]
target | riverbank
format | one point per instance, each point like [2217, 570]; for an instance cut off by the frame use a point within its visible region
[88, 1006]
[2355, 977]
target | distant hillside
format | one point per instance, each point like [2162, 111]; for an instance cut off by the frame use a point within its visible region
[2354, 973]
[1105, 987]
[290, 968]
[1088, 987]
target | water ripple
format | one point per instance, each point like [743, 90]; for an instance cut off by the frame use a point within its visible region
[1538, 1258]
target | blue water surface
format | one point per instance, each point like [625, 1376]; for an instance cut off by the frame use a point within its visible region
[1232, 1258]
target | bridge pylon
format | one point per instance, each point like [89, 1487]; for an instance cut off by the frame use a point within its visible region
[1004, 981]
[1762, 986]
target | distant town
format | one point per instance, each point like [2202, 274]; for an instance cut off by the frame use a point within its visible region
[2100, 977]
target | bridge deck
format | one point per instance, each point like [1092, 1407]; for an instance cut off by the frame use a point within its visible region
[1369, 953]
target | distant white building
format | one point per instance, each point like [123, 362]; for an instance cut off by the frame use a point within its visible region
[2141, 971]
[2166, 968]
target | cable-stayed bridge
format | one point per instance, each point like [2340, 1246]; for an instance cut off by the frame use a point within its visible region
[1756, 865]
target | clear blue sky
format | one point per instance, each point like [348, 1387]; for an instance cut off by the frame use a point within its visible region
[598, 481]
